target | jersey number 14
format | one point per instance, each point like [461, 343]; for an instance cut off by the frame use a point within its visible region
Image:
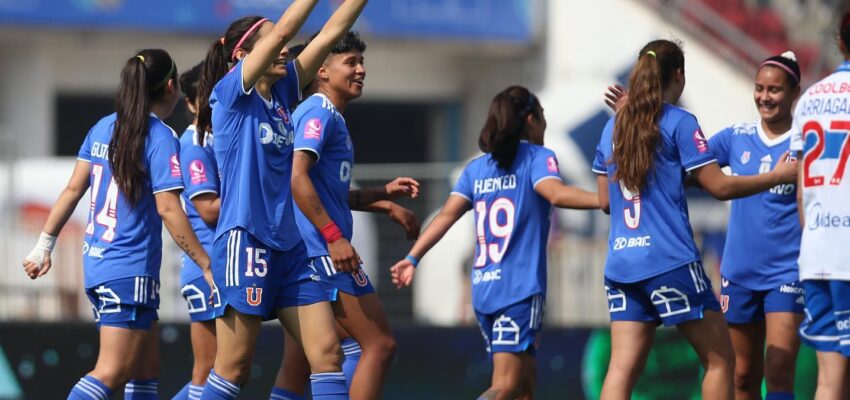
[107, 215]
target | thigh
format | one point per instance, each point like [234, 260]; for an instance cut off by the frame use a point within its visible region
[709, 336]
[514, 329]
[681, 295]
[631, 342]
[362, 317]
[748, 344]
[236, 338]
[119, 352]
[311, 325]
[203, 339]
[510, 371]
[741, 305]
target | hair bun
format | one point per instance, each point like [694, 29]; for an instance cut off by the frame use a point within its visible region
[789, 55]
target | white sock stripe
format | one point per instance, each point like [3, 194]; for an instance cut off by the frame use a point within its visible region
[277, 397]
[222, 382]
[328, 374]
[221, 386]
[95, 391]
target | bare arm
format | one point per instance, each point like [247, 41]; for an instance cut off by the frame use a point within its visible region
[602, 191]
[358, 199]
[564, 196]
[38, 262]
[725, 187]
[208, 206]
[405, 218]
[168, 207]
[343, 255]
[267, 49]
[402, 272]
[317, 51]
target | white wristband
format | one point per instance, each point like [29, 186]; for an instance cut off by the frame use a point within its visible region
[45, 243]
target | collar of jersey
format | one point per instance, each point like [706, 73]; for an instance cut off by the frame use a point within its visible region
[768, 141]
[329, 102]
[844, 66]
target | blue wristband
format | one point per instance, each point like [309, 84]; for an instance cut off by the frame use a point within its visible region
[412, 260]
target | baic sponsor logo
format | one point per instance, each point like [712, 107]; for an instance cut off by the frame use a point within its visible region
[486, 276]
[631, 242]
[818, 218]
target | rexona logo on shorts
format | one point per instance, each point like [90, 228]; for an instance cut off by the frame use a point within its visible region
[631, 242]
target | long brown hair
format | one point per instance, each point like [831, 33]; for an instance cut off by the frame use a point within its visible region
[636, 132]
[143, 81]
[506, 124]
[217, 64]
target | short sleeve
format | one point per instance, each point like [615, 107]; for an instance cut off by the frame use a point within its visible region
[85, 150]
[229, 89]
[289, 87]
[463, 188]
[544, 165]
[312, 129]
[693, 147]
[720, 144]
[199, 171]
[163, 160]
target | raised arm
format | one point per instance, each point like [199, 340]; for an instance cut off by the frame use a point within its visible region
[268, 48]
[726, 187]
[317, 50]
[38, 262]
[403, 271]
[564, 196]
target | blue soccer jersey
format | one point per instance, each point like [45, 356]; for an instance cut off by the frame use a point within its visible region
[320, 129]
[200, 175]
[253, 150]
[650, 232]
[511, 225]
[763, 238]
[124, 240]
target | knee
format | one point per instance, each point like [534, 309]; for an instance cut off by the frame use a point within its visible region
[383, 348]
[113, 378]
[235, 371]
[745, 379]
[779, 373]
[327, 357]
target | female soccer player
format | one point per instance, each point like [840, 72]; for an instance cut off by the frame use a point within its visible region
[263, 267]
[761, 295]
[653, 273]
[200, 179]
[129, 159]
[512, 189]
[822, 129]
[321, 187]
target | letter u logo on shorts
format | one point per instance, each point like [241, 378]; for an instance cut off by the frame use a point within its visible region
[360, 277]
[254, 297]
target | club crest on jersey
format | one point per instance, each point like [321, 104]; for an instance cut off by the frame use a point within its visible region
[700, 141]
[283, 114]
[198, 172]
[552, 164]
[175, 167]
[745, 157]
[313, 129]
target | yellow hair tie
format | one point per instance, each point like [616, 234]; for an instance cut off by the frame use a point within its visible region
[652, 53]
[141, 58]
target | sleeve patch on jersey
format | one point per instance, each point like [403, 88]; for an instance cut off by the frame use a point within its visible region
[552, 164]
[175, 167]
[198, 172]
[700, 141]
[313, 129]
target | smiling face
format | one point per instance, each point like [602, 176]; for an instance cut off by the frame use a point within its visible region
[774, 94]
[343, 74]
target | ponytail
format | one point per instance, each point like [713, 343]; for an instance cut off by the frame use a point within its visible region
[506, 124]
[144, 79]
[240, 35]
[636, 131]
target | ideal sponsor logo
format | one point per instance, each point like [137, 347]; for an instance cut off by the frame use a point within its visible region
[631, 242]
[486, 276]
[818, 218]
[491, 185]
